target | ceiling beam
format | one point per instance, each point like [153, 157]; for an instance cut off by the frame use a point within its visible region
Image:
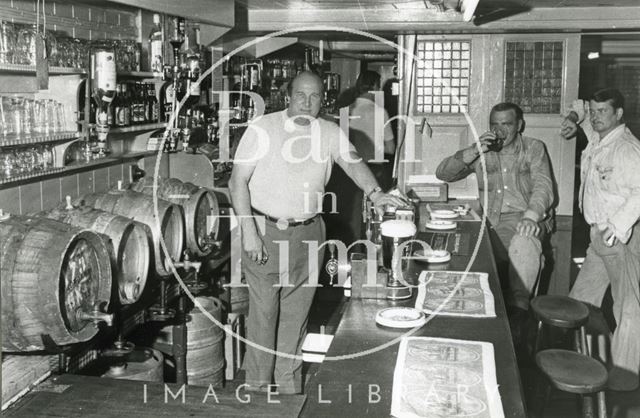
[407, 21]
[214, 12]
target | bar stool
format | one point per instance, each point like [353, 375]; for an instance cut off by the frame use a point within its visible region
[561, 312]
[575, 373]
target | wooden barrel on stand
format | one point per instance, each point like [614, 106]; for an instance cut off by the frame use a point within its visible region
[205, 344]
[55, 277]
[128, 246]
[140, 207]
[200, 207]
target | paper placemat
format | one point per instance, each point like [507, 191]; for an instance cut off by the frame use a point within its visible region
[439, 377]
[455, 293]
[457, 243]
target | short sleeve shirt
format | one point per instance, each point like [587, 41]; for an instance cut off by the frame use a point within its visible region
[292, 163]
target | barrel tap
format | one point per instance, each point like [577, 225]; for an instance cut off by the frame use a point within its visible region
[160, 311]
[96, 316]
[193, 284]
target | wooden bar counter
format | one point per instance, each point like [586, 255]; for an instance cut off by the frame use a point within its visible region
[356, 378]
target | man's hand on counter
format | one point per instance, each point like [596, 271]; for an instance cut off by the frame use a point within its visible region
[381, 199]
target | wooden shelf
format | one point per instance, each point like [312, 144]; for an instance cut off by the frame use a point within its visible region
[113, 159]
[138, 128]
[13, 141]
[31, 69]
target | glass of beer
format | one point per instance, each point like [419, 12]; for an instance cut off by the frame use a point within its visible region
[394, 233]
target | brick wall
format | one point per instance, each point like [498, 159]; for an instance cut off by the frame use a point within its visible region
[47, 194]
[76, 20]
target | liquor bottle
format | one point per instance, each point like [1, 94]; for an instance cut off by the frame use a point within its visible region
[308, 52]
[126, 105]
[145, 102]
[154, 106]
[193, 69]
[167, 96]
[103, 89]
[116, 106]
[156, 46]
[81, 102]
[140, 116]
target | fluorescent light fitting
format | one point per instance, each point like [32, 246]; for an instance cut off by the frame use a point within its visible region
[593, 55]
[468, 8]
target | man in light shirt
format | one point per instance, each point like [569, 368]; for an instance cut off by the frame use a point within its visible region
[281, 167]
[609, 198]
[520, 197]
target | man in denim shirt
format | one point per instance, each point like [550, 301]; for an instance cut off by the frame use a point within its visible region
[610, 200]
[520, 195]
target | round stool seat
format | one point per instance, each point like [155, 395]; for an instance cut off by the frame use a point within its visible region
[572, 372]
[560, 311]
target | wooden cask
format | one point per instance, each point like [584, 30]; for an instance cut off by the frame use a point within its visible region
[168, 228]
[205, 344]
[200, 207]
[128, 246]
[55, 277]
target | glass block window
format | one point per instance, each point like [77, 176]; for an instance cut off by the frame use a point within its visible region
[533, 76]
[442, 82]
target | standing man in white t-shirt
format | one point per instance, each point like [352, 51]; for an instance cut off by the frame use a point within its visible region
[282, 164]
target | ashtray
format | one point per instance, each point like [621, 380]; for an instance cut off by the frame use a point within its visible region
[443, 214]
[399, 317]
[434, 256]
[441, 224]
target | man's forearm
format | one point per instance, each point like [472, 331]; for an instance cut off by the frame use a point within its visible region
[455, 167]
[360, 174]
[241, 202]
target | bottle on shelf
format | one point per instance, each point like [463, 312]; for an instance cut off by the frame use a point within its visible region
[167, 95]
[136, 104]
[122, 111]
[81, 102]
[144, 103]
[103, 90]
[154, 106]
[156, 46]
[113, 117]
[193, 71]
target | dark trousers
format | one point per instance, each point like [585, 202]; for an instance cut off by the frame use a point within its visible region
[279, 304]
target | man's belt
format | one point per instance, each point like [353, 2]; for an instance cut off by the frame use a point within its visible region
[289, 222]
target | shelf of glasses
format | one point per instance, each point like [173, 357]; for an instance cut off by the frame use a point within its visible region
[34, 139]
[23, 178]
[139, 74]
[138, 128]
[28, 69]
[72, 168]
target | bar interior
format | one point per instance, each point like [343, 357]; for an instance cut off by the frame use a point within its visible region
[320, 208]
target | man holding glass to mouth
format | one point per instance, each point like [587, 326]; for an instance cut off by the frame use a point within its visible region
[520, 196]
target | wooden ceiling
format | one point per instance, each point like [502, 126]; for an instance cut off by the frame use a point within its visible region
[407, 4]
